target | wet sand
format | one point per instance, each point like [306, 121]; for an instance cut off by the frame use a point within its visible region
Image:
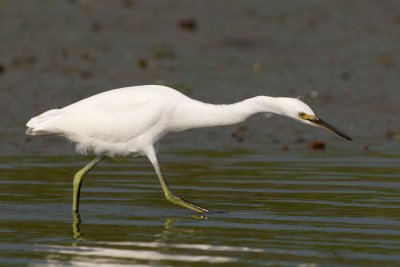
[341, 56]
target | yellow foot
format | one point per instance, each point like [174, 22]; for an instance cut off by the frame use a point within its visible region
[182, 202]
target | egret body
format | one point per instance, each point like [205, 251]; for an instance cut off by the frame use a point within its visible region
[132, 120]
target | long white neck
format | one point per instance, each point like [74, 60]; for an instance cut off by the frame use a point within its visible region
[196, 114]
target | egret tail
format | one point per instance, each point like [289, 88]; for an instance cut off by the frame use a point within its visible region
[43, 124]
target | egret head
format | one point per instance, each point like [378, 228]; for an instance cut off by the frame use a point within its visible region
[298, 110]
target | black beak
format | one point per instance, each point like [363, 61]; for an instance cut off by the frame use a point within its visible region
[324, 124]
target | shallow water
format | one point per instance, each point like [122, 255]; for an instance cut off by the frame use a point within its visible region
[296, 208]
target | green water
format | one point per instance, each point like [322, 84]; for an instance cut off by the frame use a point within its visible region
[296, 208]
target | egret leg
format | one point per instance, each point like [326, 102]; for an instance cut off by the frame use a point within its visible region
[76, 229]
[168, 194]
[78, 182]
[175, 199]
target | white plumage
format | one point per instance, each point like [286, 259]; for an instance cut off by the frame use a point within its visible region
[129, 121]
[115, 123]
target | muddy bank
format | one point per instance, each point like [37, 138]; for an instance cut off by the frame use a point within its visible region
[342, 56]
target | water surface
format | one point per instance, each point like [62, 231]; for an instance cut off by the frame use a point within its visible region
[296, 208]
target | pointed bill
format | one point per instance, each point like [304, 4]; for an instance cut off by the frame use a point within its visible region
[321, 123]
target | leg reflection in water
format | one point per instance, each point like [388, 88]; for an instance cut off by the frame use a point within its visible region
[77, 234]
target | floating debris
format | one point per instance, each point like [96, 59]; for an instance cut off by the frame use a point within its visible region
[142, 63]
[317, 145]
[187, 24]
[2, 69]
[240, 133]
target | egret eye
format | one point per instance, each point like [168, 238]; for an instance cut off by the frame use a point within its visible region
[302, 115]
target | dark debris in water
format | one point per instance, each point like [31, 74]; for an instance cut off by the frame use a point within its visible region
[317, 145]
[142, 63]
[240, 133]
[2, 69]
[187, 24]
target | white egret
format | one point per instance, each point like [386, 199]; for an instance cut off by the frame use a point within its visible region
[132, 120]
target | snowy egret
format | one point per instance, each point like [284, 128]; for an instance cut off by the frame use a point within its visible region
[131, 121]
